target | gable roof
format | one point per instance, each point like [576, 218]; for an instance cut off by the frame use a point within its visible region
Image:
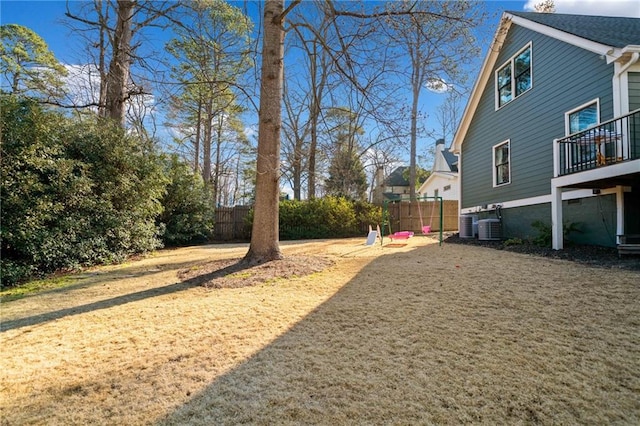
[605, 40]
[396, 178]
[451, 159]
[607, 30]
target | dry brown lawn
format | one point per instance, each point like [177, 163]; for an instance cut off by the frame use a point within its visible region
[419, 334]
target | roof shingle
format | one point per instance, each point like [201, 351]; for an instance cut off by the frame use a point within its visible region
[607, 30]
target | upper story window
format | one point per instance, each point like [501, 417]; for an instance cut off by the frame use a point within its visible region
[502, 163]
[446, 187]
[589, 149]
[514, 77]
[583, 117]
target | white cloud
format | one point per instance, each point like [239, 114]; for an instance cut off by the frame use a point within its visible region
[82, 84]
[251, 132]
[627, 8]
[437, 85]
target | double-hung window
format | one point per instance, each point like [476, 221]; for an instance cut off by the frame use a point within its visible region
[584, 151]
[582, 117]
[513, 78]
[502, 163]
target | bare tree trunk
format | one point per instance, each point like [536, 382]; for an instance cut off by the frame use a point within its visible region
[265, 233]
[197, 142]
[217, 167]
[313, 147]
[295, 138]
[206, 143]
[102, 100]
[414, 137]
[317, 88]
[118, 76]
[236, 182]
[297, 168]
[416, 85]
[319, 67]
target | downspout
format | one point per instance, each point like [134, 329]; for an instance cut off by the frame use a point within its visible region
[556, 204]
[618, 104]
[622, 107]
[459, 186]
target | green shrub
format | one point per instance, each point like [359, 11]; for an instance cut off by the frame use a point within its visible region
[73, 193]
[513, 242]
[189, 214]
[367, 213]
[545, 233]
[544, 236]
[328, 217]
[128, 183]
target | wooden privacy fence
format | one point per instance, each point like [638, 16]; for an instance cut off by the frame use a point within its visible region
[231, 224]
[405, 216]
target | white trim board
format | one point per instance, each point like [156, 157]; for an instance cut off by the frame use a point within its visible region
[486, 71]
[619, 169]
[592, 46]
[542, 199]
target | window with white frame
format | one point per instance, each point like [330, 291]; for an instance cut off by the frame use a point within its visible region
[583, 117]
[502, 163]
[513, 78]
[577, 120]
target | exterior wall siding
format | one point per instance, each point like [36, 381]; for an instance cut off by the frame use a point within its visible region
[634, 90]
[595, 217]
[564, 77]
[439, 183]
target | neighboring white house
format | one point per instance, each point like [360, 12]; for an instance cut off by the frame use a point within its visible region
[443, 181]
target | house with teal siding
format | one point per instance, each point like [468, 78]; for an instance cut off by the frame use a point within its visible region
[551, 132]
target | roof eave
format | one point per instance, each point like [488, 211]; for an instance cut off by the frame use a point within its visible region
[481, 81]
[610, 53]
[592, 46]
[625, 54]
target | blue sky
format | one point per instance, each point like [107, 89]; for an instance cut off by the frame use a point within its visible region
[45, 18]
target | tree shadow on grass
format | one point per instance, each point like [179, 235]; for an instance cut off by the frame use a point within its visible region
[443, 337]
[186, 284]
[450, 340]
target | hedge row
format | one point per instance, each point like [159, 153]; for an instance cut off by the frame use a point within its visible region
[329, 217]
[83, 192]
[80, 192]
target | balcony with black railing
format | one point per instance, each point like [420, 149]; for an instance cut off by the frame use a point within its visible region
[610, 143]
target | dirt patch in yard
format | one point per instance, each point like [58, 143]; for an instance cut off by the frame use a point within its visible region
[420, 334]
[597, 256]
[232, 273]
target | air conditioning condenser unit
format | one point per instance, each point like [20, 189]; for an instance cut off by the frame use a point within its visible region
[489, 230]
[468, 226]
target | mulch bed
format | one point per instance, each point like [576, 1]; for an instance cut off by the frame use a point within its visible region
[606, 257]
[232, 273]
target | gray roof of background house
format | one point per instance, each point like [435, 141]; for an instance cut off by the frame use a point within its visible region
[396, 178]
[451, 158]
[607, 30]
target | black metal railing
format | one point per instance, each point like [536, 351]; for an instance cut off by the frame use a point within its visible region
[608, 143]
